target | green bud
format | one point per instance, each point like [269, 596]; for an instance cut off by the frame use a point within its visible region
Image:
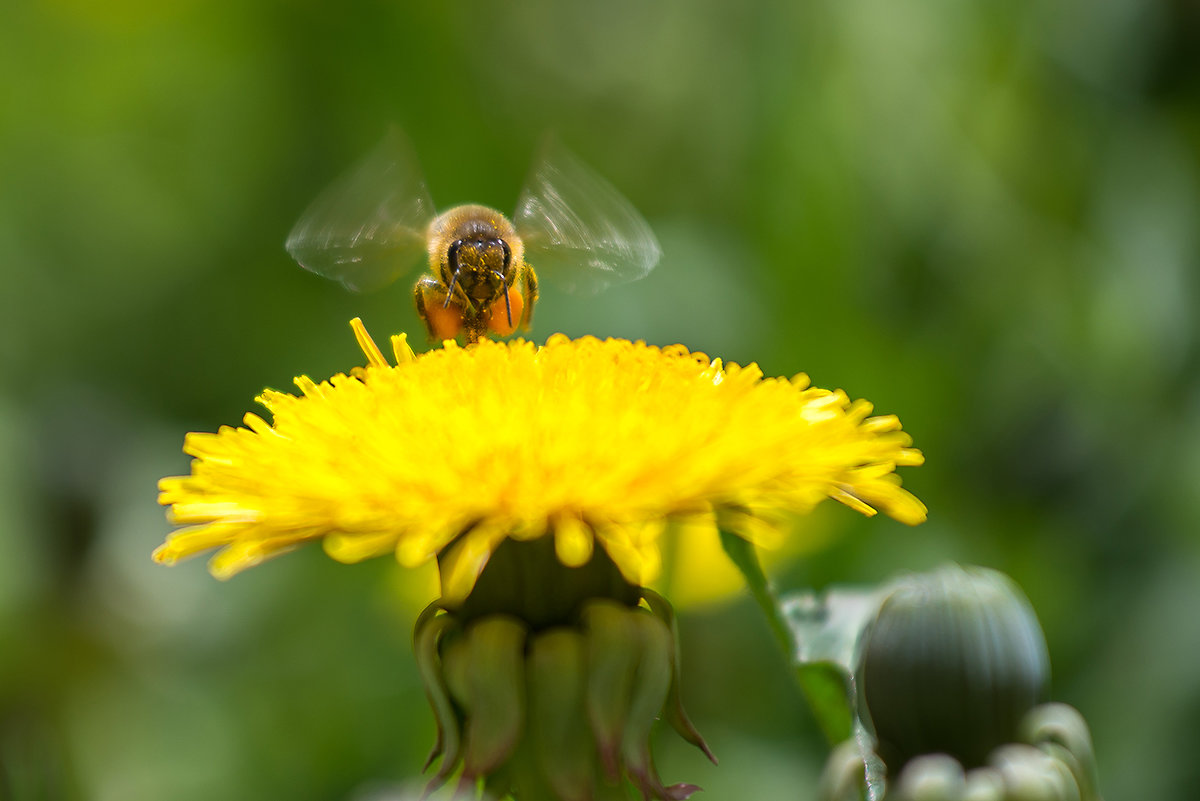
[952, 662]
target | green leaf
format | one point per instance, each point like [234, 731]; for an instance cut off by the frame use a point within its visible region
[827, 631]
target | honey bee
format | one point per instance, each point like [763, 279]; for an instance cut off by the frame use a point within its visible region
[374, 222]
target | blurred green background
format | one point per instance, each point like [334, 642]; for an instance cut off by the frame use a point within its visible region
[981, 216]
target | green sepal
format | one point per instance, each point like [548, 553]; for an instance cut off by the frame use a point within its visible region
[1015, 772]
[844, 776]
[1033, 775]
[932, 777]
[427, 635]
[1067, 763]
[1057, 728]
[492, 687]
[561, 741]
[498, 784]
[605, 790]
[456, 665]
[650, 689]
[675, 713]
[984, 784]
[612, 657]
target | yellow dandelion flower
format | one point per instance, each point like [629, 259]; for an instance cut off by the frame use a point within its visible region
[592, 443]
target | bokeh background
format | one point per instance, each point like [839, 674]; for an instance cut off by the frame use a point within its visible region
[982, 216]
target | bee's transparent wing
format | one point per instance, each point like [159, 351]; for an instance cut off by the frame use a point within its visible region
[580, 232]
[368, 227]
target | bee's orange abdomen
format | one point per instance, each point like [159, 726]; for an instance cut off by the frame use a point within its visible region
[498, 315]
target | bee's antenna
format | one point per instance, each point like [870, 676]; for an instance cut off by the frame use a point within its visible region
[452, 259]
[507, 305]
[450, 290]
[503, 283]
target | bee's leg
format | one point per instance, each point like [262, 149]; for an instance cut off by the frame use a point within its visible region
[438, 310]
[530, 285]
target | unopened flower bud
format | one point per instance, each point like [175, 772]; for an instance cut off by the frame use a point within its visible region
[953, 661]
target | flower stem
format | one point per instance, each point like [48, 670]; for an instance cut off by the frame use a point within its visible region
[825, 685]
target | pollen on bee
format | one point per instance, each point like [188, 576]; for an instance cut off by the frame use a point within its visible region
[498, 319]
[444, 322]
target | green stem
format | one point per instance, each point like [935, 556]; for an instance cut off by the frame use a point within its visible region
[825, 687]
[746, 558]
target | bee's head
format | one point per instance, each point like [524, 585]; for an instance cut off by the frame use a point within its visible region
[482, 265]
[475, 248]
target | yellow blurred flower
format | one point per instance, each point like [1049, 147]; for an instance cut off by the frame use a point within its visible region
[448, 453]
